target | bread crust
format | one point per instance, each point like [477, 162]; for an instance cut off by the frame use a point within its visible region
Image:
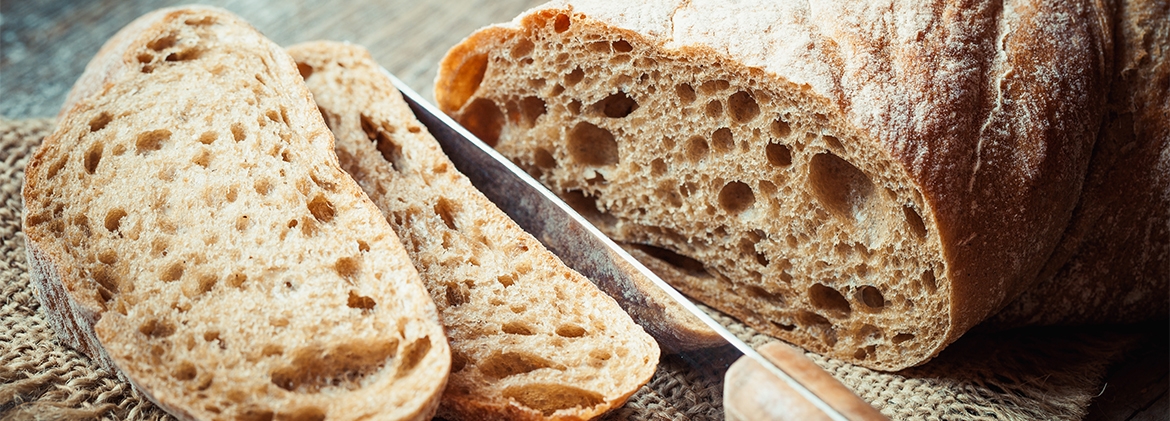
[989, 108]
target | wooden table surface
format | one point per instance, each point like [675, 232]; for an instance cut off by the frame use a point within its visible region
[45, 44]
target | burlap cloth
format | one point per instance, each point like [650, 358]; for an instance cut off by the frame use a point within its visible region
[1048, 374]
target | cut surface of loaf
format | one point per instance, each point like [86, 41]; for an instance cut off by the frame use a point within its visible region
[865, 181]
[189, 225]
[530, 338]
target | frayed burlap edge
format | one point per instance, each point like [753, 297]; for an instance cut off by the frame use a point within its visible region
[1022, 374]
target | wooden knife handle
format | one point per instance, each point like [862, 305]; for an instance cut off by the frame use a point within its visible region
[751, 392]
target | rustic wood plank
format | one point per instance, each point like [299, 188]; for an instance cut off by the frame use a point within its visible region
[46, 43]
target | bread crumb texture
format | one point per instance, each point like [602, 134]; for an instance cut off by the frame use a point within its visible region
[531, 338]
[193, 210]
[818, 213]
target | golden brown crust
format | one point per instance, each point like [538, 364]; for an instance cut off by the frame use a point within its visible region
[989, 109]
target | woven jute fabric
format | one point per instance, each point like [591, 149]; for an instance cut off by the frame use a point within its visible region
[1048, 374]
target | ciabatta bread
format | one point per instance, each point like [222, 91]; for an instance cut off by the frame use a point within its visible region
[867, 180]
[531, 339]
[189, 225]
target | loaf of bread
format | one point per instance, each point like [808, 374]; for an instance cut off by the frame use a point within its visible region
[189, 225]
[531, 339]
[866, 180]
[1113, 263]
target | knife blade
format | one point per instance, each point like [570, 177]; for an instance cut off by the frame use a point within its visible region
[583, 247]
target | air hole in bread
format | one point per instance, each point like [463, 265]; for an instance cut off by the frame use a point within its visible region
[829, 299]
[503, 364]
[114, 219]
[928, 280]
[599, 46]
[152, 140]
[321, 209]
[305, 69]
[184, 371]
[263, 186]
[618, 105]
[145, 58]
[574, 77]
[413, 354]
[544, 159]
[550, 397]
[202, 159]
[517, 328]
[457, 294]
[914, 220]
[506, 279]
[242, 223]
[199, 285]
[531, 108]
[347, 268]
[901, 337]
[232, 194]
[570, 331]
[736, 197]
[155, 328]
[778, 154]
[780, 128]
[839, 186]
[561, 23]
[446, 210]
[696, 148]
[871, 297]
[211, 336]
[592, 145]
[108, 257]
[256, 414]
[833, 143]
[622, 46]
[159, 44]
[366, 304]
[193, 53]
[522, 48]
[818, 326]
[173, 272]
[236, 280]
[100, 121]
[362, 246]
[56, 167]
[722, 140]
[307, 413]
[315, 367]
[685, 92]
[93, 157]
[238, 132]
[272, 350]
[742, 107]
[470, 75]
[714, 109]
[484, 119]
[755, 291]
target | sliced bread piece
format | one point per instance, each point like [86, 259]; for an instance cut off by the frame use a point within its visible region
[531, 339]
[868, 181]
[189, 225]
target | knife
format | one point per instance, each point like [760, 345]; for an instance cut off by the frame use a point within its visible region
[584, 248]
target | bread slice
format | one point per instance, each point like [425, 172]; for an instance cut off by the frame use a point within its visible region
[530, 338]
[189, 225]
[868, 180]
